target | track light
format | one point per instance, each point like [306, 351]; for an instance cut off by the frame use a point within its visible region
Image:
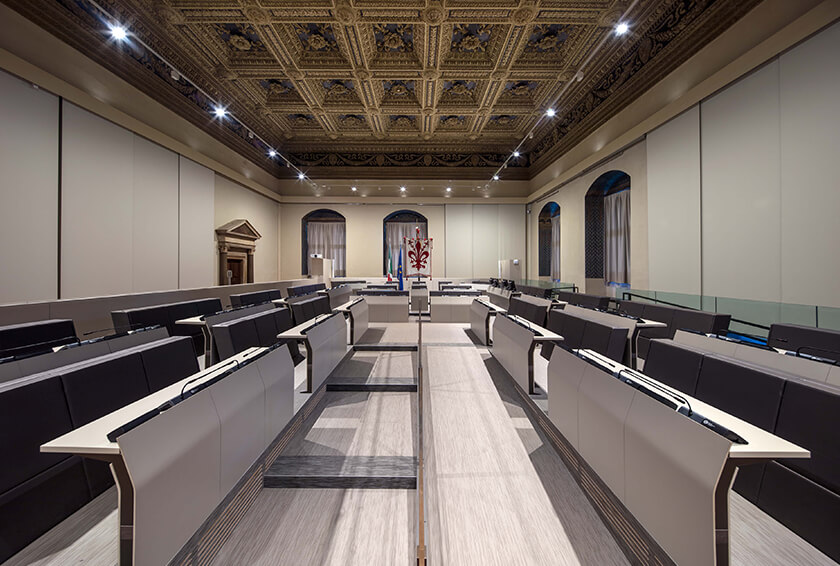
[402, 189]
[301, 176]
[516, 154]
[621, 28]
[220, 112]
[550, 112]
[495, 177]
[272, 153]
[118, 32]
[353, 189]
[448, 189]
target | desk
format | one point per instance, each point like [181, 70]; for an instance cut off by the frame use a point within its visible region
[208, 336]
[690, 468]
[200, 446]
[514, 340]
[480, 313]
[325, 339]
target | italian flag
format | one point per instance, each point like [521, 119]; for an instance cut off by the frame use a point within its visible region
[389, 264]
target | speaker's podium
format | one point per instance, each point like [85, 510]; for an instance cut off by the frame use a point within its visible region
[321, 269]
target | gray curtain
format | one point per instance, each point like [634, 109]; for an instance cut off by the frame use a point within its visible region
[555, 248]
[394, 234]
[617, 237]
[330, 240]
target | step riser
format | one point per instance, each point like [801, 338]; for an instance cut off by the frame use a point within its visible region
[384, 348]
[340, 482]
[396, 388]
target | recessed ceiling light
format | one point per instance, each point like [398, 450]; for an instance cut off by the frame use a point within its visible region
[516, 154]
[118, 32]
[550, 112]
[621, 28]
[301, 176]
[219, 112]
[272, 153]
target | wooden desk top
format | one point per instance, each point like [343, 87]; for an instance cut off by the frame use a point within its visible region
[761, 445]
[192, 321]
[544, 334]
[296, 333]
[92, 437]
[346, 306]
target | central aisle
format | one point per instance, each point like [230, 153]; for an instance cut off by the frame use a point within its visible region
[497, 493]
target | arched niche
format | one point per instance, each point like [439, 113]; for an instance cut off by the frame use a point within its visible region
[396, 226]
[324, 231]
[544, 220]
[607, 237]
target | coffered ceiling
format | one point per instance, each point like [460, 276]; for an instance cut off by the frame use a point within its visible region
[392, 89]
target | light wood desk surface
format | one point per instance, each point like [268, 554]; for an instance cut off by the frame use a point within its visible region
[761, 445]
[92, 437]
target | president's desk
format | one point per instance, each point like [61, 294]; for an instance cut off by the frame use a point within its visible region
[174, 469]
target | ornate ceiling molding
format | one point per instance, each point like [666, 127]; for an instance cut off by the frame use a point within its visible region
[343, 86]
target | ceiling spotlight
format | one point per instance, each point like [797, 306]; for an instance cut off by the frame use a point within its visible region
[301, 176]
[621, 28]
[272, 153]
[550, 112]
[448, 189]
[516, 154]
[118, 32]
[176, 76]
[353, 189]
[220, 112]
[402, 189]
[495, 177]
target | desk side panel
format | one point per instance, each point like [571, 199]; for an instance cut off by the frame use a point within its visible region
[277, 371]
[174, 464]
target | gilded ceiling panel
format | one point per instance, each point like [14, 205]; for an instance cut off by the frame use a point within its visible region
[343, 86]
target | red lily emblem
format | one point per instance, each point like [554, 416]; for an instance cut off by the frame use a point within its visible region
[418, 255]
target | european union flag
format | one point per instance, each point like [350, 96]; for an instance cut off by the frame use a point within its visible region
[399, 271]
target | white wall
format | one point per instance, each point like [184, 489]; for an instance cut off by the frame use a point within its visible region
[479, 235]
[768, 226]
[134, 216]
[196, 214]
[28, 192]
[233, 201]
[673, 165]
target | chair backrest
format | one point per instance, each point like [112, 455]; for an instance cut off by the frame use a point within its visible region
[820, 342]
[674, 365]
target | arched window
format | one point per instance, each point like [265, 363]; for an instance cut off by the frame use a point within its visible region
[549, 241]
[607, 212]
[324, 232]
[396, 226]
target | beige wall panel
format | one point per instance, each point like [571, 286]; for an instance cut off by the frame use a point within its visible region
[512, 233]
[460, 237]
[485, 237]
[673, 166]
[96, 215]
[235, 201]
[155, 224]
[570, 198]
[28, 192]
[364, 224]
[810, 147]
[196, 225]
[741, 189]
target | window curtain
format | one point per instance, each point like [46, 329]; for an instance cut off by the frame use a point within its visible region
[394, 234]
[617, 237]
[328, 239]
[555, 248]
